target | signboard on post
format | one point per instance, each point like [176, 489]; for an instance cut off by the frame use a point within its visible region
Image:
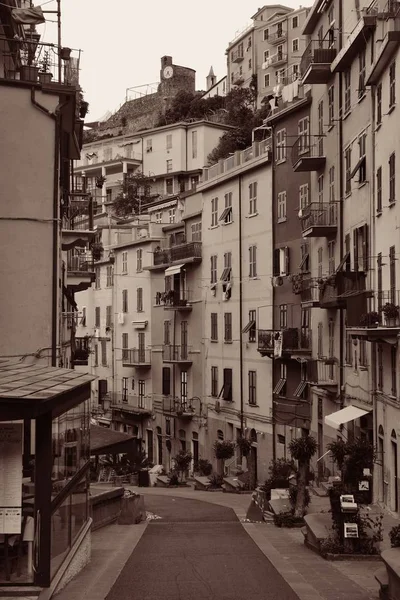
[350, 530]
[10, 477]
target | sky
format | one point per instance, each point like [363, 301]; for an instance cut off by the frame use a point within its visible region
[122, 41]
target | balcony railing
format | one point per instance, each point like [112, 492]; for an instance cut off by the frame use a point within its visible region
[80, 263]
[316, 61]
[307, 156]
[319, 219]
[165, 256]
[136, 405]
[77, 214]
[278, 58]
[33, 61]
[80, 356]
[323, 372]
[174, 299]
[276, 342]
[258, 149]
[277, 37]
[308, 289]
[237, 55]
[237, 78]
[176, 354]
[377, 309]
[384, 9]
[180, 407]
[338, 288]
[136, 357]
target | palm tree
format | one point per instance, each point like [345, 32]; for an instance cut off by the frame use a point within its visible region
[302, 449]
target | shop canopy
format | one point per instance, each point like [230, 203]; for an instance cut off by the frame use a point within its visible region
[106, 441]
[350, 413]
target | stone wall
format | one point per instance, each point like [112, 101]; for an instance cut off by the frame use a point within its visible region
[105, 507]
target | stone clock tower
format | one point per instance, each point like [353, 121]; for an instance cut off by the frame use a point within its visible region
[175, 78]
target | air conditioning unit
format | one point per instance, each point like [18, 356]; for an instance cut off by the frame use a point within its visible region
[217, 406]
[121, 318]
[277, 281]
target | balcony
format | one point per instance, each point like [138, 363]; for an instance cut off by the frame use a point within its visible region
[80, 355]
[277, 59]
[80, 271]
[278, 37]
[319, 220]
[184, 253]
[308, 289]
[175, 300]
[131, 407]
[136, 357]
[237, 55]
[308, 157]
[279, 343]
[324, 373]
[354, 43]
[177, 355]
[315, 65]
[181, 408]
[374, 316]
[237, 78]
[336, 290]
[77, 221]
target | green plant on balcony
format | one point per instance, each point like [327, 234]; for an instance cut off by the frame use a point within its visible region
[97, 250]
[391, 311]
[297, 283]
[44, 74]
[100, 181]
[370, 319]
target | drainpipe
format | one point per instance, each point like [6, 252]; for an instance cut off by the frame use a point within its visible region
[341, 220]
[241, 310]
[273, 187]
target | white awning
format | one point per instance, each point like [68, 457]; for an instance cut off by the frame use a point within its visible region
[139, 324]
[350, 413]
[173, 270]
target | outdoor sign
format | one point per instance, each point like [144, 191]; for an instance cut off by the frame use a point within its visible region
[363, 486]
[350, 530]
[10, 477]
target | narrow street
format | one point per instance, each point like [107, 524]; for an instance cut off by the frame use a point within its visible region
[197, 551]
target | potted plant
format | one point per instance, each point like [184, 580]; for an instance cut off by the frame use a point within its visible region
[44, 74]
[84, 109]
[97, 251]
[244, 445]
[391, 312]
[370, 319]
[100, 181]
[65, 53]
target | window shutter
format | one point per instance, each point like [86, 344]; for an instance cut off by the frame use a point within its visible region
[227, 393]
[355, 249]
[365, 248]
[347, 251]
[276, 262]
[287, 262]
[166, 381]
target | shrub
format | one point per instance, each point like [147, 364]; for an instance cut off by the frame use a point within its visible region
[293, 497]
[331, 545]
[244, 445]
[173, 478]
[287, 520]
[204, 467]
[224, 449]
[338, 450]
[281, 469]
[394, 535]
[182, 461]
[216, 480]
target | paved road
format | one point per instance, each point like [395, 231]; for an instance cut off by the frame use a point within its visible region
[197, 551]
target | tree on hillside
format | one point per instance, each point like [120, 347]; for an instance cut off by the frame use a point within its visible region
[134, 194]
[186, 105]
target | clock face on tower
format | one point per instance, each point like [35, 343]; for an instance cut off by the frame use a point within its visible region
[168, 72]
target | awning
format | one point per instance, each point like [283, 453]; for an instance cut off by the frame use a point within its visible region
[139, 324]
[250, 325]
[173, 270]
[107, 441]
[350, 413]
[225, 213]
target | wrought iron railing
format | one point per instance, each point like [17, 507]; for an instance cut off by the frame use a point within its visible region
[319, 52]
[164, 256]
[291, 338]
[129, 403]
[323, 371]
[136, 356]
[319, 215]
[303, 148]
[174, 353]
[78, 212]
[80, 263]
[174, 298]
[384, 8]
[381, 308]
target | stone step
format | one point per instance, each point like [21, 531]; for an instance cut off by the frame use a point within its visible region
[20, 591]
[201, 483]
[382, 578]
[162, 481]
[232, 484]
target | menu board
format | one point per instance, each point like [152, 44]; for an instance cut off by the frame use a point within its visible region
[10, 477]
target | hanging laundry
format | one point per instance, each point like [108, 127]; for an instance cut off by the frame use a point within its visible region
[28, 16]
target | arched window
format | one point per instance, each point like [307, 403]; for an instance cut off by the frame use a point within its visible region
[195, 435]
[182, 434]
[220, 434]
[159, 431]
[253, 436]
[393, 435]
[381, 431]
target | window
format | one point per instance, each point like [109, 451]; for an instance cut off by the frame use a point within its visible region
[363, 353]
[321, 128]
[214, 382]
[331, 257]
[109, 277]
[320, 255]
[227, 327]
[248, 43]
[96, 355]
[295, 45]
[169, 165]
[83, 318]
[169, 186]
[167, 337]
[295, 22]
[392, 85]
[251, 326]
[304, 266]
[347, 91]
[141, 399]
[125, 347]
[280, 388]
[253, 387]
[214, 327]
[281, 145]
[226, 273]
[124, 263]
[158, 217]
[226, 215]
[196, 232]
[379, 265]
[97, 316]
[108, 316]
[321, 189]
[265, 34]
[171, 215]
[379, 190]
[184, 338]
[361, 164]
[283, 314]
[392, 274]
[103, 352]
[361, 74]
[379, 104]
[213, 269]
[331, 105]
[194, 144]
[304, 199]
[379, 379]
[360, 248]
[332, 184]
[266, 55]
[320, 344]
[139, 260]
[169, 141]
[347, 169]
[253, 198]
[139, 299]
[281, 210]
[97, 278]
[393, 365]
[214, 212]
[253, 261]
[295, 72]
[281, 261]
[349, 350]
[124, 301]
[249, 63]
[149, 145]
[303, 129]
[166, 381]
[392, 178]
[267, 80]
[226, 391]
[184, 388]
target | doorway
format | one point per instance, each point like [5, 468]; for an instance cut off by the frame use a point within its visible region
[159, 446]
[195, 450]
[381, 459]
[150, 453]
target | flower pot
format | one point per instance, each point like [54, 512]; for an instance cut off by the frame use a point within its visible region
[45, 77]
[390, 321]
[29, 73]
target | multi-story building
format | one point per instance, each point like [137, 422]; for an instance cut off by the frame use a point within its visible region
[235, 281]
